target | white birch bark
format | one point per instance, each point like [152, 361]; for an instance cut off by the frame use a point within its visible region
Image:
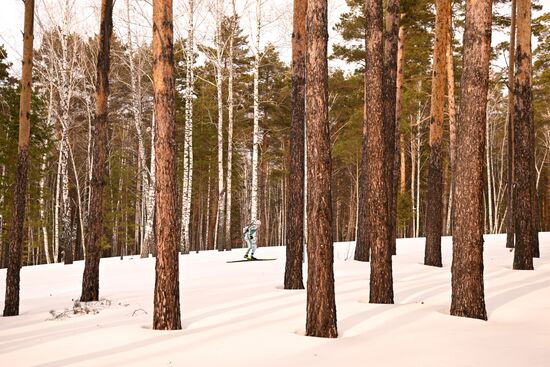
[230, 108]
[256, 133]
[136, 92]
[220, 223]
[188, 134]
[488, 150]
[147, 243]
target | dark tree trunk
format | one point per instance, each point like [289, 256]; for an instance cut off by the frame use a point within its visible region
[434, 212]
[90, 281]
[377, 201]
[166, 303]
[468, 298]
[16, 235]
[321, 303]
[390, 121]
[213, 208]
[524, 141]
[510, 130]
[362, 246]
[295, 187]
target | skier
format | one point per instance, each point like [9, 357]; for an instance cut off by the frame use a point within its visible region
[249, 233]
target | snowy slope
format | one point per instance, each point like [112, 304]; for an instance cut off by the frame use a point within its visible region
[239, 315]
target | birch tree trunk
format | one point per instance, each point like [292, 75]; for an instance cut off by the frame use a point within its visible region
[188, 135]
[90, 279]
[16, 236]
[256, 131]
[150, 200]
[219, 233]
[230, 107]
[468, 299]
[166, 301]
[135, 87]
[510, 130]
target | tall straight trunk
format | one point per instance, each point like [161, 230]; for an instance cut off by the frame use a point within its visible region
[66, 238]
[434, 215]
[90, 280]
[166, 303]
[65, 205]
[399, 108]
[188, 135]
[135, 87]
[321, 303]
[230, 108]
[295, 188]
[468, 298]
[79, 210]
[524, 141]
[451, 105]
[414, 133]
[148, 244]
[510, 130]
[16, 236]
[256, 131]
[377, 216]
[391, 44]
[220, 217]
[42, 205]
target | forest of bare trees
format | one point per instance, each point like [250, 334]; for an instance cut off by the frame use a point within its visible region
[114, 143]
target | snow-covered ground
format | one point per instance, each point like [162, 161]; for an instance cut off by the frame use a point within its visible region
[239, 315]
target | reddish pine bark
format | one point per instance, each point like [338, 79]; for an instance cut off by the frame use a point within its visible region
[524, 141]
[374, 134]
[321, 304]
[468, 298]
[90, 280]
[390, 121]
[16, 235]
[166, 314]
[434, 215]
[295, 193]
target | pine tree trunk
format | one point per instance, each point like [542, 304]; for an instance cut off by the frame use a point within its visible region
[374, 134]
[468, 298]
[90, 281]
[295, 188]
[391, 44]
[510, 130]
[166, 302]
[434, 217]
[16, 236]
[321, 304]
[452, 118]
[524, 141]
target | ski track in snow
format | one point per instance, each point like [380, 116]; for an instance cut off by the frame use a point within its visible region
[239, 315]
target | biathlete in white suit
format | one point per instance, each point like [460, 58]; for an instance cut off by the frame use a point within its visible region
[250, 233]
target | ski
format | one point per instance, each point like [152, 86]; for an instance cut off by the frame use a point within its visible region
[246, 260]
